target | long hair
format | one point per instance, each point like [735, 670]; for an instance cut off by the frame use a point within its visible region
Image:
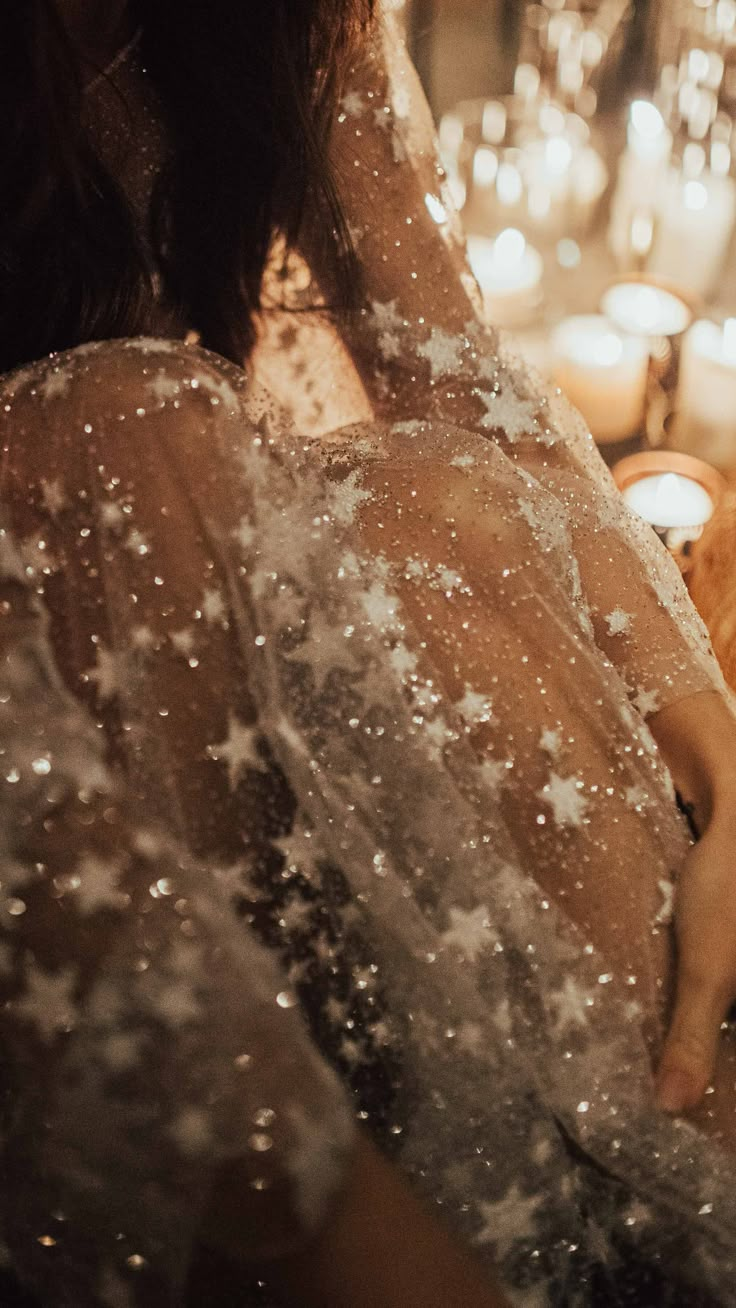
[248, 89]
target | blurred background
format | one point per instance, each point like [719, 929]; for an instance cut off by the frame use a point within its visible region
[589, 145]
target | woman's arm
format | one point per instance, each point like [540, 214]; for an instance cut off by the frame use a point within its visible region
[102, 896]
[697, 737]
[380, 1248]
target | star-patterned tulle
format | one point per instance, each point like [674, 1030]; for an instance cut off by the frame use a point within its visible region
[387, 689]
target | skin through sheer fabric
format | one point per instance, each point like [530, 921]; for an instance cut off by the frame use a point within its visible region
[218, 618]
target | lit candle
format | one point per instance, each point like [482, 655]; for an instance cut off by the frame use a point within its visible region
[509, 273]
[673, 492]
[646, 310]
[647, 137]
[669, 500]
[565, 181]
[603, 372]
[696, 222]
[706, 398]
[642, 173]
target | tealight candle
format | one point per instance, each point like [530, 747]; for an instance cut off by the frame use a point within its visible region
[509, 273]
[669, 500]
[603, 372]
[646, 310]
[706, 399]
[676, 494]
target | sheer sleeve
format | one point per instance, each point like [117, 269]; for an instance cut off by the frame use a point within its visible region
[424, 352]
[149, 1043]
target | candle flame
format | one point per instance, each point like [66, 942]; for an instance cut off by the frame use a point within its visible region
[485, 167]
[558, 154]
[509, 246]
[647, 120]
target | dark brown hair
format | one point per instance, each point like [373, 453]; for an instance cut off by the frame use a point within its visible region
[249, 88]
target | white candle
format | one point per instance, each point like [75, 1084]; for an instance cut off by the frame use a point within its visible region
[565, 181]
[509, 273]
[695, 223]
[603, 372]
[646, 310]
[642, 173]
[706, 398]
[669, 500]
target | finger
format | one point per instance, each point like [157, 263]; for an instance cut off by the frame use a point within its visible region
[689, 1056]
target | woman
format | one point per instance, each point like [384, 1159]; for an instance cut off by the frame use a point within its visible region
[397, 684]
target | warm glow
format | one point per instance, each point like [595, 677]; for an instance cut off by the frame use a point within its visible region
[729, 340]
[509, 246]
[485, 167]
[509, 185]
[696, 196]
[647, 120]
[558, 154]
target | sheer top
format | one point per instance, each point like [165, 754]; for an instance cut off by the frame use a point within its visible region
[378, 699]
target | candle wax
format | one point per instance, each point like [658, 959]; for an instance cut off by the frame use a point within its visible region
[669, 500]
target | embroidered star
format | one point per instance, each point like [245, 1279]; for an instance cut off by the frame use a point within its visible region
[345, 498]
[142, 638]
[470, 932]
[403, 661]
[36, 554]
[137, 542]
[296, 915]
[443, 352]
[244, 533]
[183, 641]
[636, 797]
[112, 515]
[475, 707]
[493, 775]
[96, 885]
[508, 413]
[165, 388]
[56, 383]
[619, 622]
[380, 607]
[508, 1221]
[564, 798]
[108, 674]
[647, 702]
[353, 104]
[48, 1002]
[299, 849]
[238, 750]
[551, 742]
[570, 1005]
[213, 605]
[325, 649]
[54, 496]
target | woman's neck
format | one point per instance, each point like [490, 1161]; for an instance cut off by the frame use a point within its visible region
[98, 28]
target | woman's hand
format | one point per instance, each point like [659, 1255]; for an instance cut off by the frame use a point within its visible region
[697, 737]
[705, 928]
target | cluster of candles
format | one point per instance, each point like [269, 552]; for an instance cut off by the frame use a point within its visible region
[522, 162]
[674, 220]
[602, 362]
